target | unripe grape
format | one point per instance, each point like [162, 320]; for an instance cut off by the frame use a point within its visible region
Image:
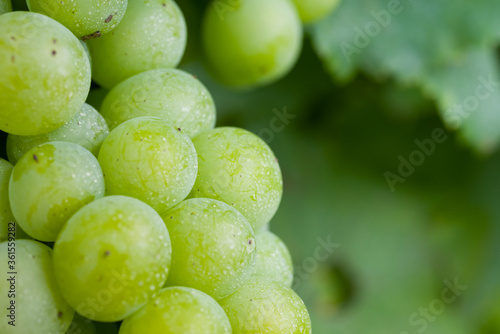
[151, 35]
[251, 42]
[111, 257]
[50, 183]
[39, 305]
[262, 306]
[178, 310]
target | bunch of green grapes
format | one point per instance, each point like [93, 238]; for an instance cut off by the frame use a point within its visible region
[251, 43]
[142, 214]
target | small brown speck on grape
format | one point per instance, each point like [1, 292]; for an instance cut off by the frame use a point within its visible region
[108, 19]
[35, 157]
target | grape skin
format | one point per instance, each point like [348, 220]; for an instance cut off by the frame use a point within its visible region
[213, 246]
[6, 215]
[111, 257]
[87, 129]
[40, 307]
[45, 74]
[84, 18]
[238, 168]
[314, 10]
[150, 159]
[246, 52]
[274, 261]
[178, 310]
[171, 94]
[50, 183]
[262, 306]
[152, 34]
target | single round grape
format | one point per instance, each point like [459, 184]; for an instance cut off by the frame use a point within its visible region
[86, 19]
[39, 306]
[8, 224]
[87, 129]
[274, 261]
[150, 159]
[45, 74]
[151, 35]
[213, 246]
[111, 257]
[178, 310]
[314, 10]
[5, 6]
[50, 183]
[262, 306]
[238, 168]
[19, 5]
[171, 94]
[251, 43]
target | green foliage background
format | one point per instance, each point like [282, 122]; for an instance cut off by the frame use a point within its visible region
[353, 117]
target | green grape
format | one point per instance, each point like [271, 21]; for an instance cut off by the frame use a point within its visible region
[150, 159]
[86, 19]
[274, 261]
[5, 6]
[251, 43]
[111, 257]
[213, 246]
[238, 168]
[151, 35]
[81, 325]
[178, 310]
[171, 94]
[313, 10]
[262, 306]
[50, 183]
[39, 306]
[87, 128]
[45, 74]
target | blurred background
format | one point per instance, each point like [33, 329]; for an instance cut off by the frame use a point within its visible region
[386, 132]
